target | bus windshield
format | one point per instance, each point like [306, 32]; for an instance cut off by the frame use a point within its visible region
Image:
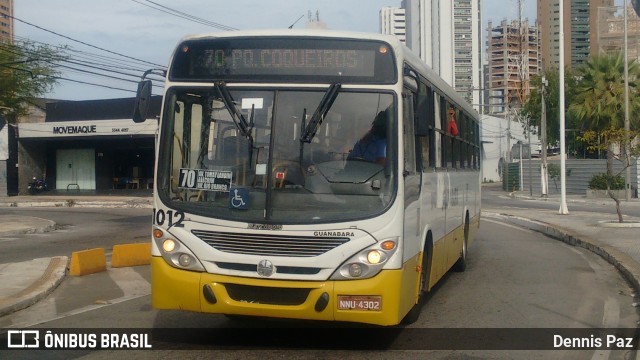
[236, 153]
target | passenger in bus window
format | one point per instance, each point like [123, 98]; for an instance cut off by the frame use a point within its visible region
[372, 147]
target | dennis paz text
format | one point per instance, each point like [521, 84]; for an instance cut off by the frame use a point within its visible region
[593, 342]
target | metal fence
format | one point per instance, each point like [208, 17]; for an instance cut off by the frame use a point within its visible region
[579, 173]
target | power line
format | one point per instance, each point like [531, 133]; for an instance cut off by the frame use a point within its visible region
[89, 83]
[183, 15]
[81, 42]
[90, 58]
[79, 66]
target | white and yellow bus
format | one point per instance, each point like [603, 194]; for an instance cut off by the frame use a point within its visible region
[309, 175]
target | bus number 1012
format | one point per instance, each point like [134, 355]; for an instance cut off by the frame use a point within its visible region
[170, 218]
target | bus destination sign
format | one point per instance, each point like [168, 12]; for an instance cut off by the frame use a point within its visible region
[278, 59]
[286, 61]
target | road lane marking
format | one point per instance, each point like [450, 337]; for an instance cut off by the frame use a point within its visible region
[498, 222]
[130, 282]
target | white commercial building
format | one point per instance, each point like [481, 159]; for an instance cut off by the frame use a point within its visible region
[496, 143]
[393, 22]
[447, 36]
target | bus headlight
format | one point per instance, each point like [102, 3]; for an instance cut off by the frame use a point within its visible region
[168, 245]
[368, 262]
[355, 270]
[176, 253]
[374, 257]
[184, 260]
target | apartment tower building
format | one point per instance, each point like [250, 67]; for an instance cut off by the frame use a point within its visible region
[611, 31]
[513, 58]
[6, 20]
[580, 30]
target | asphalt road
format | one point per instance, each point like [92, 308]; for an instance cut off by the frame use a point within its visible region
[78, 229]
[515, 279]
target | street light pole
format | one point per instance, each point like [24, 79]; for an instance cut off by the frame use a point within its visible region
[627, 126]
[563, 163]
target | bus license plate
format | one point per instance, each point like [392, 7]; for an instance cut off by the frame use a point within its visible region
[364, 303]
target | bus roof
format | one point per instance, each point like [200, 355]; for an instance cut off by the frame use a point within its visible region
[400, 49]
[297, 33]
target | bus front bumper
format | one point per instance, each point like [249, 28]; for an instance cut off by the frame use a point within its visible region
[173, 288]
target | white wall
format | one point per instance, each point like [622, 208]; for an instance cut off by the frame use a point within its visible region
[494, 138]
[4, 142]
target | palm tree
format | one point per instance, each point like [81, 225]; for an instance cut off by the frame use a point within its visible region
[599, 95]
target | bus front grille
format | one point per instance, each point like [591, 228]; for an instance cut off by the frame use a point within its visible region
[267, 295]
[269, 245]
[295, 270]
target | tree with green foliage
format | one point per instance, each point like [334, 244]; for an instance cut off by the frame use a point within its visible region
[27, 71]
[599, 101]
[599, 93]
[599, 104]
[532, 108]
[613, 140]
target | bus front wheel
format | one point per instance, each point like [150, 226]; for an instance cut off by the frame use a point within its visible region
[461, 264]
[413, 314]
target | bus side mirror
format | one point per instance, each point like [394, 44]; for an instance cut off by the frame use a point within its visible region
[143, 100]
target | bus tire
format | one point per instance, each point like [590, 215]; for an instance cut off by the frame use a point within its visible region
[461, 264]
[414, 313]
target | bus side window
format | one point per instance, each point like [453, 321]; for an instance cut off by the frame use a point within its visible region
[463, 140]
[446, 137]
[426, 126]
[437, 146]
[408, 132]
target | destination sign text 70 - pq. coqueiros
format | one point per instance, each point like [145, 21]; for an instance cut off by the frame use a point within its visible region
[273, 58]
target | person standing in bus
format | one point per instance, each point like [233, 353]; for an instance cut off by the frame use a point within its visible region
[372, 147]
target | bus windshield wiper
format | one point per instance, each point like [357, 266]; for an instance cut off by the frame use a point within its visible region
[236, 115]
[323, 108]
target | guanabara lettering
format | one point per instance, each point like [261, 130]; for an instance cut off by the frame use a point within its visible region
[334, 233]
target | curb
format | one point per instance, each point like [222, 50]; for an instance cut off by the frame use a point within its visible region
[628, 267]
[82, 204]
[81, 263]
[50, 279]
[44, 226]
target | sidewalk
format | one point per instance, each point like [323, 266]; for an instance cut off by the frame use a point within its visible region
[131, 199]
[22, 284]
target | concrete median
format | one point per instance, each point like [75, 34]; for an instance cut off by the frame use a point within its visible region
[87, 262]
[131, 255]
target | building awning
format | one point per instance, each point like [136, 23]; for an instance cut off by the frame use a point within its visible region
[87, 129]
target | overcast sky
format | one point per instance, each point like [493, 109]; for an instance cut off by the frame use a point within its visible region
[128, 27]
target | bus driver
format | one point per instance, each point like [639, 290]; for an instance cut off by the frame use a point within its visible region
[372, 147]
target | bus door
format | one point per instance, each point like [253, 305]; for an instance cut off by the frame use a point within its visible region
[411, 177]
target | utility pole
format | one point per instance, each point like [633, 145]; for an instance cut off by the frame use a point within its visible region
[544, 177]
[508, 133]
[529, 136]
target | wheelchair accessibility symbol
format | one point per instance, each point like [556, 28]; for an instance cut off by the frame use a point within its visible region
[239, 198]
